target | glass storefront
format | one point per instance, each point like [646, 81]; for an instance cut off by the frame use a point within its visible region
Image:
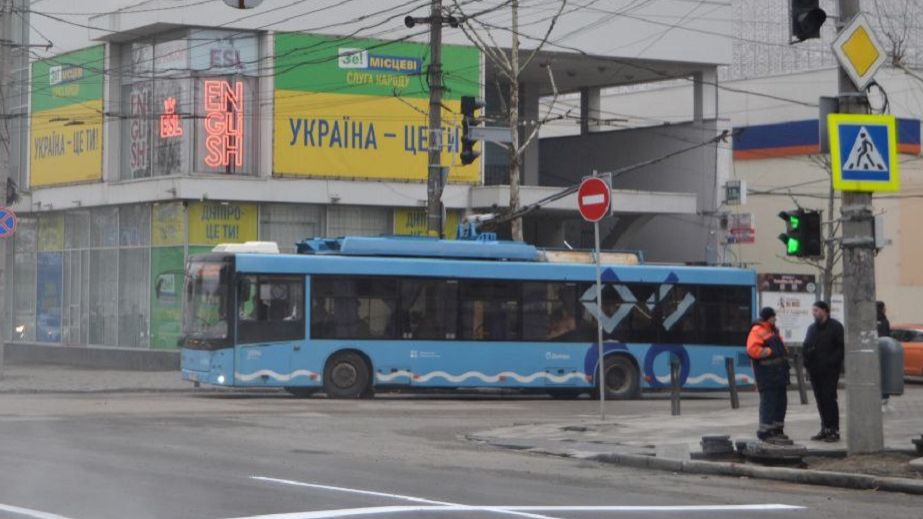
[113, 276]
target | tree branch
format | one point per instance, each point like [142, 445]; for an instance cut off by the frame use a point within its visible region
[544, 40]
[493, 53]
[547, 118]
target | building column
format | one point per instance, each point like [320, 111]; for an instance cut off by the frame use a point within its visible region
[705, 94]
[590, 110]
[528, 116]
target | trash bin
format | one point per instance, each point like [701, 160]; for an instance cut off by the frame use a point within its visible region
[891, 357]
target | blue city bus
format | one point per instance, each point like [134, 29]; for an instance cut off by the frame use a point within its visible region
[348, 316]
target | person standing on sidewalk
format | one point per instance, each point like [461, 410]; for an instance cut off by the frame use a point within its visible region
[884, 325]
[770, 366]
[824, 349]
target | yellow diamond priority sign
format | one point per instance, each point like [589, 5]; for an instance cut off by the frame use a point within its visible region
[859, 52]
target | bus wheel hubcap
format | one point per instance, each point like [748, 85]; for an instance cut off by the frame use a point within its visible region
[615, 378]
[345, 375]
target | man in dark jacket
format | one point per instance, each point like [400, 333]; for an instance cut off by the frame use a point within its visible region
[823, 357]
[770, 366]
[884, 325]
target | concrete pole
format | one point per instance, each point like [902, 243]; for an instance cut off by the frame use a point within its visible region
[863, 385]
[6, 143]
[434, 181]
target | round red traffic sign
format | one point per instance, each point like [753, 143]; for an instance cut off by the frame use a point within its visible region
[594, 199]
[7, 222]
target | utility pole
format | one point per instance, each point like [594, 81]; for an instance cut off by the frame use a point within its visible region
[863, 385]
[434, 177]
[6, 144]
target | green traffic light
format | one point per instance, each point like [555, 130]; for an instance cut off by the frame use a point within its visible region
[794, 222]
[794, 246]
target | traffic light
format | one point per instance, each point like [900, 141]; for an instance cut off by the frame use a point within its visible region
[807, 18]
[469, 105]
[802, 236]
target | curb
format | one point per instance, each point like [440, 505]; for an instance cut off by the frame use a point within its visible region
[719, 468]
[93, 391]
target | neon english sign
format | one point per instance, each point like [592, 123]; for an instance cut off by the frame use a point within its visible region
[224, 123]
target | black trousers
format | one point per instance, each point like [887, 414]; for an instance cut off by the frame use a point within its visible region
[824, 382]
[773, 405]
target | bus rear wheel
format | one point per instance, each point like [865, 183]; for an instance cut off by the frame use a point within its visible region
[621, 377]
[347, 375]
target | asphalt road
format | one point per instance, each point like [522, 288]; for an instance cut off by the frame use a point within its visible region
[217, 456]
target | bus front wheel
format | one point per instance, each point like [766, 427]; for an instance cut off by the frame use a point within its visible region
[622, 379]
[347, 375]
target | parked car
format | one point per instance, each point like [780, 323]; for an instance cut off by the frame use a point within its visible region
[911, 336]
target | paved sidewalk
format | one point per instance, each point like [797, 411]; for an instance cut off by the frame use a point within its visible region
[60, 379]
[658, 433]
[658, 440]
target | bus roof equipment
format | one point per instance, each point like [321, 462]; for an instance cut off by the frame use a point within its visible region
[421, 247]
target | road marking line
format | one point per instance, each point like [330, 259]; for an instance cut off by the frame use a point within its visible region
[412, 499]
[428, 505]
[30, 513]
[382, 510]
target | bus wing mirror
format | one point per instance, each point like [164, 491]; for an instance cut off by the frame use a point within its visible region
[245, 289]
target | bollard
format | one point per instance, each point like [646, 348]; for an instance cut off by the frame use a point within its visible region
[674, 385]
[798, 357]
[732, 382]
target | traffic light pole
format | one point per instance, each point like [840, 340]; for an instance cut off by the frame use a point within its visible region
[863, 385]
[434, 174]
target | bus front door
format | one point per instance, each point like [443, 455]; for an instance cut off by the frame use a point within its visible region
[264, 364]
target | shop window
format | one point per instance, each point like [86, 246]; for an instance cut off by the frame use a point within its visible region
[134, 225]
[288, 224]
[358, 221]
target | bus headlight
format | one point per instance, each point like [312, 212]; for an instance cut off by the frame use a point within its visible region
[221, 379]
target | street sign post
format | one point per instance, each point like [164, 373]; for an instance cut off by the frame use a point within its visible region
[858, 51]
[8, 222]
[863, 152]
[594, 200]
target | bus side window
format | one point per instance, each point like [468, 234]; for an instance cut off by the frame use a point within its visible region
[490, 310]
[270, 308]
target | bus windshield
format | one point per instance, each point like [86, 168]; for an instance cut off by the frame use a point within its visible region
[205, 319]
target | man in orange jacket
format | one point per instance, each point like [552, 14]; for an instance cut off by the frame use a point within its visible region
[770, 366]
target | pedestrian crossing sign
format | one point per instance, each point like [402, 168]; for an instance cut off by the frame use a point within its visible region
[863, 152]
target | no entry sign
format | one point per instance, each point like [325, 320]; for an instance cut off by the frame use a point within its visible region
[593, 199]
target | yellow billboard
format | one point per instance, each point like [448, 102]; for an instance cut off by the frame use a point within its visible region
[412, 222]
[64, 152]
[66, 120]
[168, 224]
[358, 108]
[211, 223]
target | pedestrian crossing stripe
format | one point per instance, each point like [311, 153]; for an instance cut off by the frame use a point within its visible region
[863, 152]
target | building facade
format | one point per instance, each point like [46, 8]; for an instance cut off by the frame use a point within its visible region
[159, 138]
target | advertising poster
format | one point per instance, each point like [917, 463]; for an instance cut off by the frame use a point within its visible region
[49, 296]
[412, 222]
[357, 108]
[167, 264]
[211, 223]
[168, 224]
[793, 313]
[66, 119]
